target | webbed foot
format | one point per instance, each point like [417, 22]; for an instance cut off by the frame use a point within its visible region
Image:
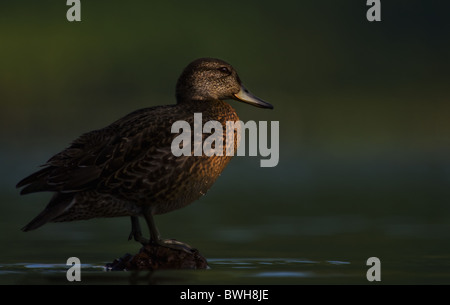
[174, 244]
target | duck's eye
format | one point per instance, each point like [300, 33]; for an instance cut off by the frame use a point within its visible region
[224, 70]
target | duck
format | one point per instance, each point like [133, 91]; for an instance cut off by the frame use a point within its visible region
[127, 169]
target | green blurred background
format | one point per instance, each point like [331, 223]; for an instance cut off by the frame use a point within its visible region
[363, 107]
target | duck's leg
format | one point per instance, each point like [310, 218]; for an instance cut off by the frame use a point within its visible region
[155, 237]
[136, 232]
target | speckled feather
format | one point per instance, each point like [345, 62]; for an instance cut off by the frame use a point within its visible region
[128, 165]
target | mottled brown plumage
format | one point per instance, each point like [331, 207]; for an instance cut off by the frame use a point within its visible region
[128, 169]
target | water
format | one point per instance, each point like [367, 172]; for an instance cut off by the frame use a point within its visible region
[226, 271]
[222, 271]
[300, 228]
[246, 254]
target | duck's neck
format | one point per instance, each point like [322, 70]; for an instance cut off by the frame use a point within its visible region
[211, 109]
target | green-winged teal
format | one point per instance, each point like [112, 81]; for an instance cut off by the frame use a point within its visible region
[128, 169]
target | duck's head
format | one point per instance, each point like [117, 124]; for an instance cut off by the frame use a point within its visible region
[208, 79]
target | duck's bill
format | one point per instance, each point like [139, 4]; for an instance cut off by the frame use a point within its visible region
[247, 97]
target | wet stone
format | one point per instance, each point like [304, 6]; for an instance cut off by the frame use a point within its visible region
[156, 257]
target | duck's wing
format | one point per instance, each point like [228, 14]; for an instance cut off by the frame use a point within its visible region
[96, 155]
[75, 167]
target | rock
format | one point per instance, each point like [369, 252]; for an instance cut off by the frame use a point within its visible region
[156, 257]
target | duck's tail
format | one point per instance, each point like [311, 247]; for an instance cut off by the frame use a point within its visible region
[59, 203]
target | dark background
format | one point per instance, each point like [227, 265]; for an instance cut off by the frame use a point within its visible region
[363, 108]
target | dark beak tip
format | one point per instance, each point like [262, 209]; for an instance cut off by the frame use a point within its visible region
[265, 106]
